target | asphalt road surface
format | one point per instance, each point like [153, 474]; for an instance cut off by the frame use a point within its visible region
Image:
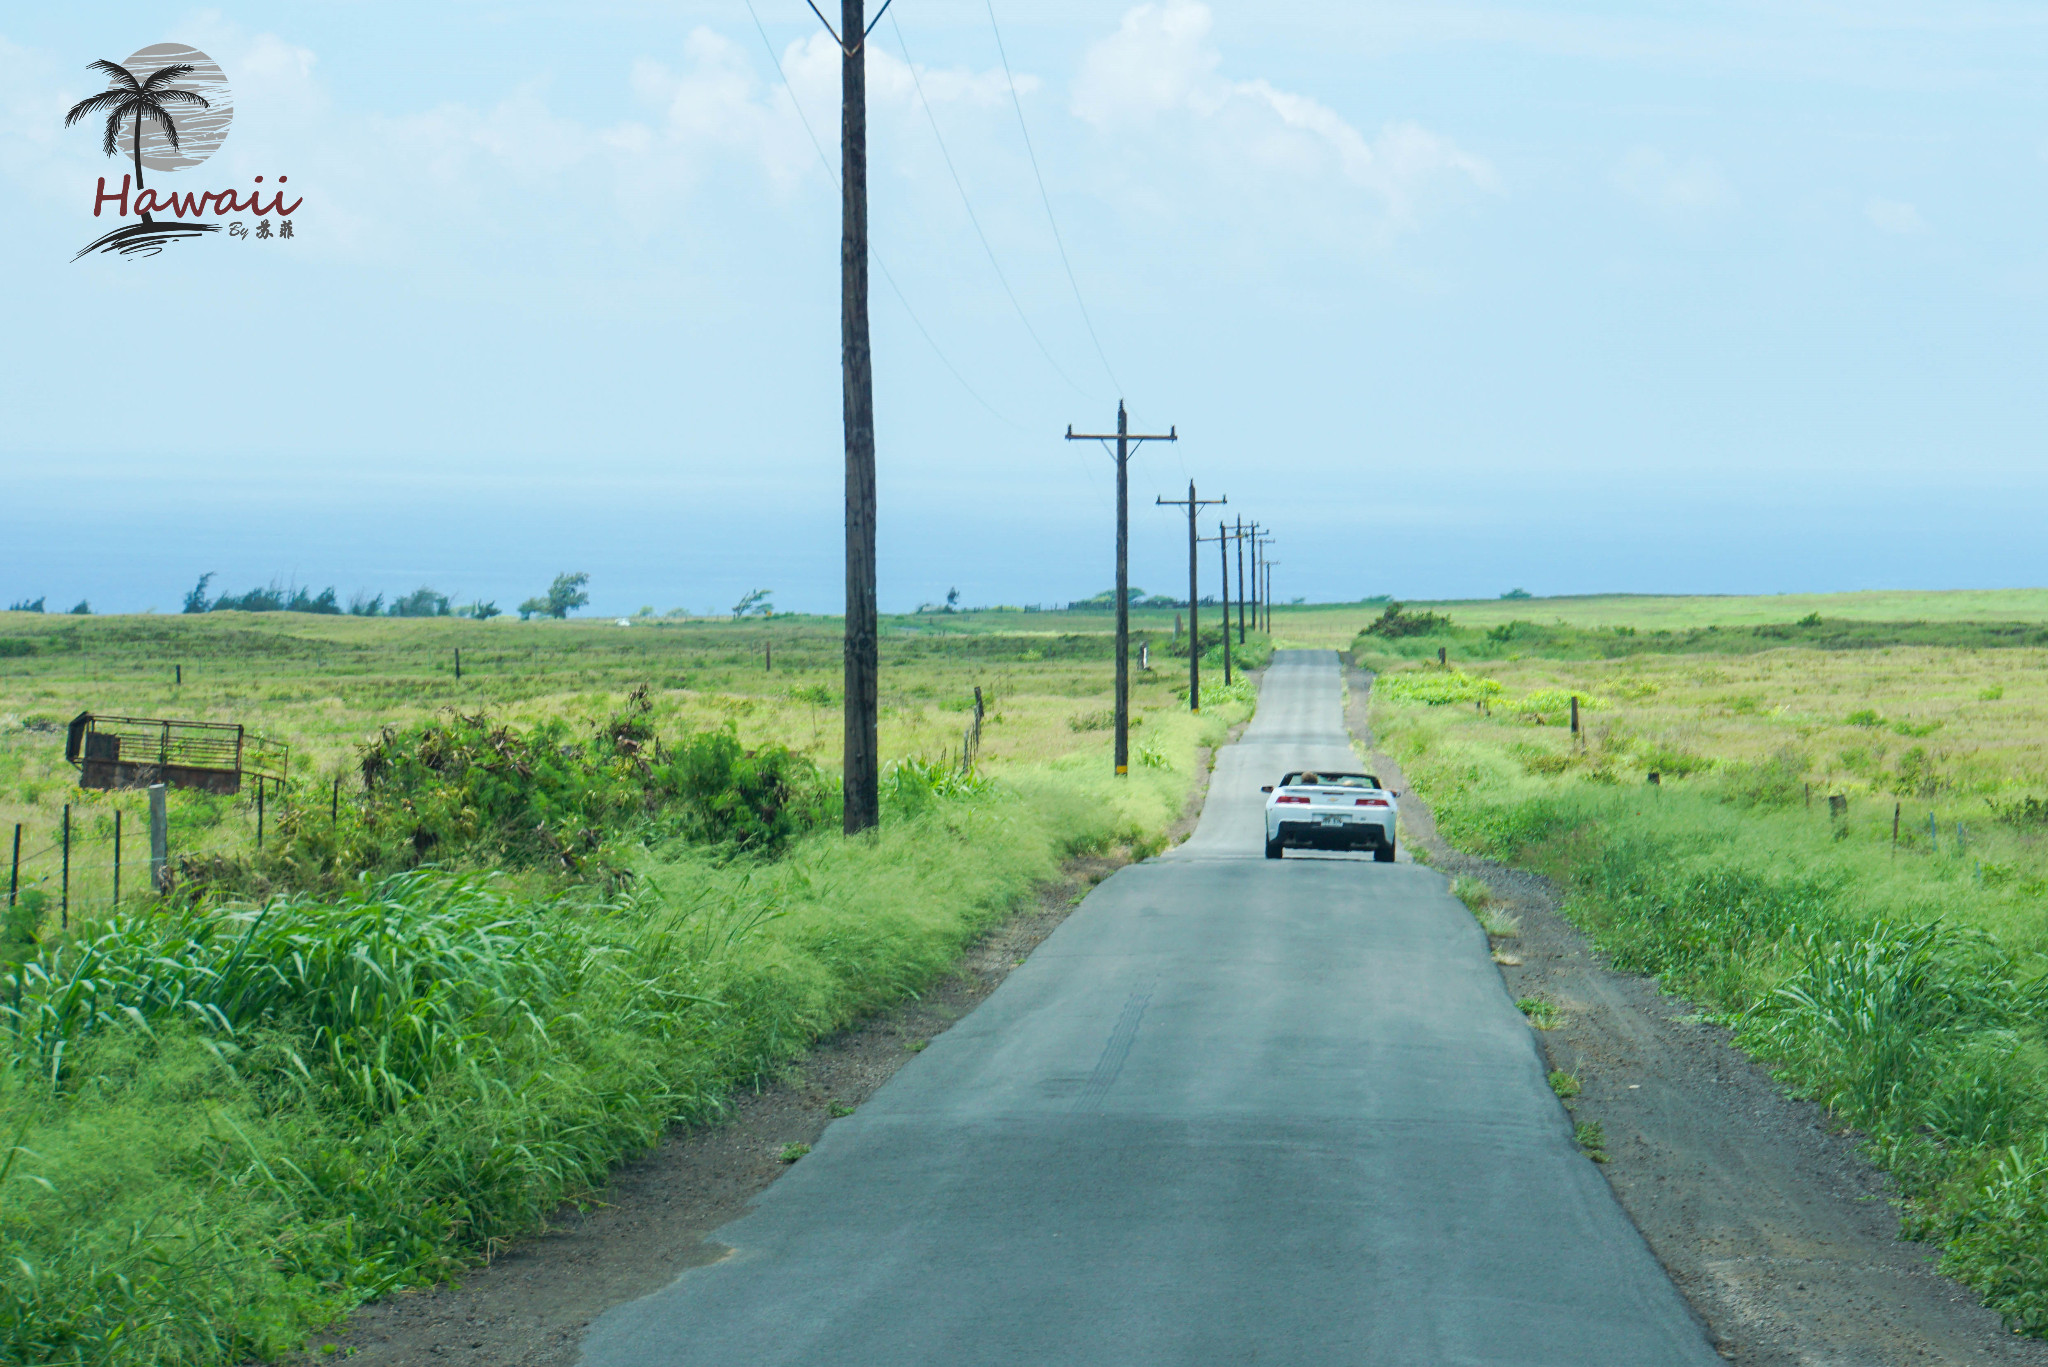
[1233, 1111]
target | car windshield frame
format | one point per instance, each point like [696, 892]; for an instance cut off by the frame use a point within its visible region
[1359, 782]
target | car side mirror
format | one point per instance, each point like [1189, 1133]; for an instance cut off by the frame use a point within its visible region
[1267, 789]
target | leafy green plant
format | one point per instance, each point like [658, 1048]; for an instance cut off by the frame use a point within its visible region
[1566, 1085]
[1542, 1014]
[1393, 623]
[1592, 1138]
[1436, 687]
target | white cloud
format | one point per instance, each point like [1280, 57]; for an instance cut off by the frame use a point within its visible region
[1159, 72]
[1895, 216]
[1694, 188]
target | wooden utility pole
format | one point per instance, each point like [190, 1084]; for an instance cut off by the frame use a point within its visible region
[862, 765]
[1194, 506]
[1240, 579]
[1126, 442]
[1222, 540]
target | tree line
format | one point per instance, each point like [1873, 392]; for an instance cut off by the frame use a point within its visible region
[564, 596]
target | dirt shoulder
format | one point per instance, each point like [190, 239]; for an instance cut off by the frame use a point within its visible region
[1770, 1221]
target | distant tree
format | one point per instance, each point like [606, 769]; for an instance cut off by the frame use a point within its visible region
[81, 609]
[359, 606]
[1518, 593]
[952, 600]
[755, 604]
[255, 600]
[304, 601]
[565, 595]
[195, 601]
[480, 611]
[25, 605]
[421, 602]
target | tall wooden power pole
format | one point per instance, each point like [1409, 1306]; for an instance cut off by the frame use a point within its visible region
[1223, 557]
[1194, 506]
[1126, 442]
[1241, 534]
[862, 765]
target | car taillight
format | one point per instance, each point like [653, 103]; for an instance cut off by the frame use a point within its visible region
[1372, 802]
[1302, 800]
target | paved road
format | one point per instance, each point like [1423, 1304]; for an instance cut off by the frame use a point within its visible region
[1232, 1111]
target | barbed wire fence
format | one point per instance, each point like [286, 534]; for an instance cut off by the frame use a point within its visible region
[92, 858]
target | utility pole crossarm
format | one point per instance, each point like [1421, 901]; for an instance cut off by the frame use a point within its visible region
[1126, 442]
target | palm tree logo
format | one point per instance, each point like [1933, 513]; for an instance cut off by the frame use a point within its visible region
[129, 98]
[170, 103]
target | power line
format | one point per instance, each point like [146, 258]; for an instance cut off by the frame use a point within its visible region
[876, 256]
[965, 203]
[1046, 199]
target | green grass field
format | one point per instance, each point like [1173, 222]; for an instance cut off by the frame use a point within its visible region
[325, 685]
[1845, 855]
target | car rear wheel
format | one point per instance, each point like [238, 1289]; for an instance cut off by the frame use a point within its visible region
[1384, 854]
[1272, 849]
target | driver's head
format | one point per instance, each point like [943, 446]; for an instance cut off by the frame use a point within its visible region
[1311, 778]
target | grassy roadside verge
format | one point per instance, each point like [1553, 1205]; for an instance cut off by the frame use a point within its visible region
[230, 1125]
[1904, 991]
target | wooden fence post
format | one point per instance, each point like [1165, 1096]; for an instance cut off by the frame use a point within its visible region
[159, 840]
[1575, 714]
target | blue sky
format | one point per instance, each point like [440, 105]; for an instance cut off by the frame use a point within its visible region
[1720, 297]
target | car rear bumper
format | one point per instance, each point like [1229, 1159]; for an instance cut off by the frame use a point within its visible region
[1352, 835]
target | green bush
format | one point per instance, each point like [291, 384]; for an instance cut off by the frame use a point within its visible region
[1436, 687]
[469, 791]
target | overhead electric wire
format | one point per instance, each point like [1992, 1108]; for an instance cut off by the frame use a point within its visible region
[833, 176]
[1046, 199]
[973, 218]
[880, 264]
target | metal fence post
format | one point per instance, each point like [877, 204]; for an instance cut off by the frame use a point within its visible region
[259, 813]
[117, 856]
[64, 887]
[159, 840]
[14, 872]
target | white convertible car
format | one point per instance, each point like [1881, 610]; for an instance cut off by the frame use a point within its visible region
[1319, 810]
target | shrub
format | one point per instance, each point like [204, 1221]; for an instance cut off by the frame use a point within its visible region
[1393, 623]
[466, 790]
[1436, 687]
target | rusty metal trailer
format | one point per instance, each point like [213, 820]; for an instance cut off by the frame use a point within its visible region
[135, 752]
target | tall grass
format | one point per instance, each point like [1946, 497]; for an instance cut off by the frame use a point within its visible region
[230, 1125]
[1887, 988]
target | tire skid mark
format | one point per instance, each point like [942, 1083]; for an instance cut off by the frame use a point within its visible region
[1116, 1050]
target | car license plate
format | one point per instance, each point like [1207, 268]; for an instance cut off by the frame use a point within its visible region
[1333, 821]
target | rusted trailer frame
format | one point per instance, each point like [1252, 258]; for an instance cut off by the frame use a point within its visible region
[134, 752]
